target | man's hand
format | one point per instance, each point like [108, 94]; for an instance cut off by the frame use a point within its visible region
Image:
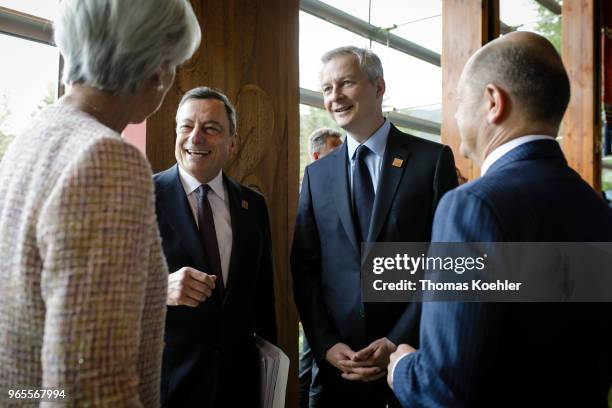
[189, 287]
[337, 354]
[370, 363]
[402, 350]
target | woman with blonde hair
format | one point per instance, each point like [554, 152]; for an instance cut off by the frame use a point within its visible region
[82, 274]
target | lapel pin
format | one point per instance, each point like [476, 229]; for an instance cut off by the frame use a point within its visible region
[245, 204]
[397, 162]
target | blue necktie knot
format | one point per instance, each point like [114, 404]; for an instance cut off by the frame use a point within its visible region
[361, 152]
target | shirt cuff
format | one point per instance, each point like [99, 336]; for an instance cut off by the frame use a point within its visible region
[396, 363]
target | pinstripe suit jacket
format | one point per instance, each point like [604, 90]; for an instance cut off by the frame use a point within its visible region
[83, 278]
[515, 354]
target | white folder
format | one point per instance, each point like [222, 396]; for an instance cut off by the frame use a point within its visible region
[274, 370]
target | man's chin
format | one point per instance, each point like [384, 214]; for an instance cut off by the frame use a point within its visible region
[195, 171]
[343, 122]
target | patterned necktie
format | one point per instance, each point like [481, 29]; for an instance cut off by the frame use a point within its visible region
[208, 234]
[363, 192]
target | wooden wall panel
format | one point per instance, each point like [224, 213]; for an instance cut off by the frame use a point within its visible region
[466, 26]
[581, 128]
[250, 51]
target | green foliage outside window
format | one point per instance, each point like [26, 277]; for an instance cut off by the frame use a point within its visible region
[549, 25]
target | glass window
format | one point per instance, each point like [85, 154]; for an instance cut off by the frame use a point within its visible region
[412, 84]
[28, 83]
[40, 8]
[357, 8]
[316, 37]
[417, 21]
[529, 15]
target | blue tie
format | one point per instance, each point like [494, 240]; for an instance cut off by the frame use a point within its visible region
[363, 192]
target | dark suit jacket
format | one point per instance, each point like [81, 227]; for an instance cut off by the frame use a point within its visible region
[515, 354]
[210, 347]
[326, 256]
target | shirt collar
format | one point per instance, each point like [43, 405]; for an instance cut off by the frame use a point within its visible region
[376, 143]
[506, 147]
[190, 183]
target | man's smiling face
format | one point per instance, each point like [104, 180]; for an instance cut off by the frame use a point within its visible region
[350, 98]
[203, 140]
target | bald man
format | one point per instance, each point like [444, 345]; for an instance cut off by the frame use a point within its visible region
[512, 95]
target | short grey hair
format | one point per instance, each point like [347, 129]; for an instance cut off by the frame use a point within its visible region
[368, 60]
[319, 137]
[532, 73]
[204, 92]
[113, 45]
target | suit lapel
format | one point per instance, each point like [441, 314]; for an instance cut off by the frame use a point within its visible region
[237, 215]
[394, 163]
[340, 190]
[173, 202]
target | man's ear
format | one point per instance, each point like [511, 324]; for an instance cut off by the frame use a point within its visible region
[234, 142]
[497, 101]
[380, 87]
[315, 156]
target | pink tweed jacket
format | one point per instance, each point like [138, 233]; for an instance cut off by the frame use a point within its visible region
[82, 274]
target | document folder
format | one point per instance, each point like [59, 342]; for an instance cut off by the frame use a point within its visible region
[274, 370]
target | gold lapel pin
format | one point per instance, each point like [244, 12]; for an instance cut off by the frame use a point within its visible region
[397, 162]
[245, 204]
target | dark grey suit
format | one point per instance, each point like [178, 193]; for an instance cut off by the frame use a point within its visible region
[326, 254]
[210, 348]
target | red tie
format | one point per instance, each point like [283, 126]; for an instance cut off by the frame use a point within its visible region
[208, 234]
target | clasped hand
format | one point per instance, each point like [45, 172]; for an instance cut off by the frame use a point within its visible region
[367, 364]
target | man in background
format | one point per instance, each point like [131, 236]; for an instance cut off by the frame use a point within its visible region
[322, 142]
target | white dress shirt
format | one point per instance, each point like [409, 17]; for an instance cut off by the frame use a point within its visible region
[217, 197]
[377, 144]
[506, 147]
